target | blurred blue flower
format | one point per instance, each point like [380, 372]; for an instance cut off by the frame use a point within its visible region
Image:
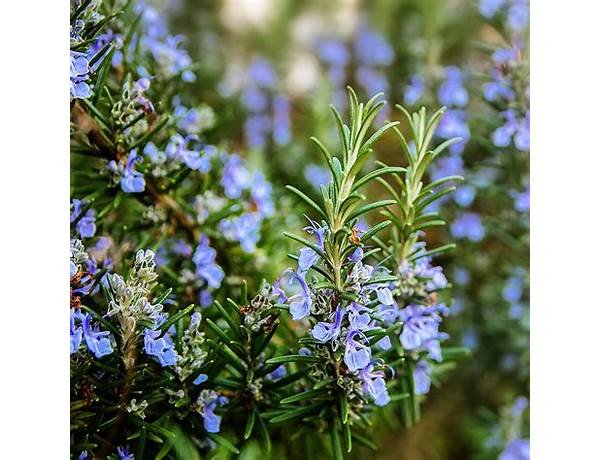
[372, 48]
[518, 449]
[489, 8]
[464, 195]
[200, 379]
[414, 91]
[452, 92]
[420, 325]
[206, 267]
[277, 374]
[333, 52]
[308, 256]
[317, 175]
[244, 229]
[421, 377]
[454, 124]
[281, 120]
[261, 73]
[235, 177]
[468, 225]
[518, 15]
[522, 200]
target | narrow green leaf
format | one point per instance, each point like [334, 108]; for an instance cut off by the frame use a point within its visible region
[265, 433]
[223, 442]
[374, 174]
[173, 319]
[370, 207]
[335, 441]
[343, 403]
[307, 200]
[303, 396]
[293, 359]
[250, 423]
[296, 413]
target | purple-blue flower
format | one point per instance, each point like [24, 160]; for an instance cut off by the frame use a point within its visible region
[324, 332]
[236, 177]
[261, 73]
[86, 226]
[414, 91]
[468, 225]
[454, 124]
[124, 454]
[245, 229]
[207, 403]
[373, 384]
[80, 70]
[97, 341]
[356, 355]
[301, 300]
[200, 379]
[372, 49]
[421, 377]
[162, 348]
[308, 256]
[206, 267]
[452, 92]
[333, 53]
[420, 325]
[519, 449]
[76, 332]
[489, 8]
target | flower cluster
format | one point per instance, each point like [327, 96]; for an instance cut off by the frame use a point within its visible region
[269, 111]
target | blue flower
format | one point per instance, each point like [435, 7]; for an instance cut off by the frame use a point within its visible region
[420, 325]
[131, 181]
[235, 177]
[452, 92]
[254, 99]
[178, 149]
[261, 73]
[261, 191]
[468, 225]
[421, 377]
[281, 120]
[207, 403]
[308, 256]
[245, 229]
[98, 342]
[518, 15]
[521, 200]
[333, 52]
[464, 195]
[206, 268]
[277, 374]
[372, 49]
[86, 226]
[356, 355]
[454, 124]
[414, 91]
[76, 332]
[200, 379]
[501, 137]
[519, 449]
[161, 348]
[374, 385]
[124, 454]
[324, 332]
[489, 8]
[79, 75]
[300, 302]
[513, 289]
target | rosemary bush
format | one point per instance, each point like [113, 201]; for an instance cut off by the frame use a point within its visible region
[236, 289]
